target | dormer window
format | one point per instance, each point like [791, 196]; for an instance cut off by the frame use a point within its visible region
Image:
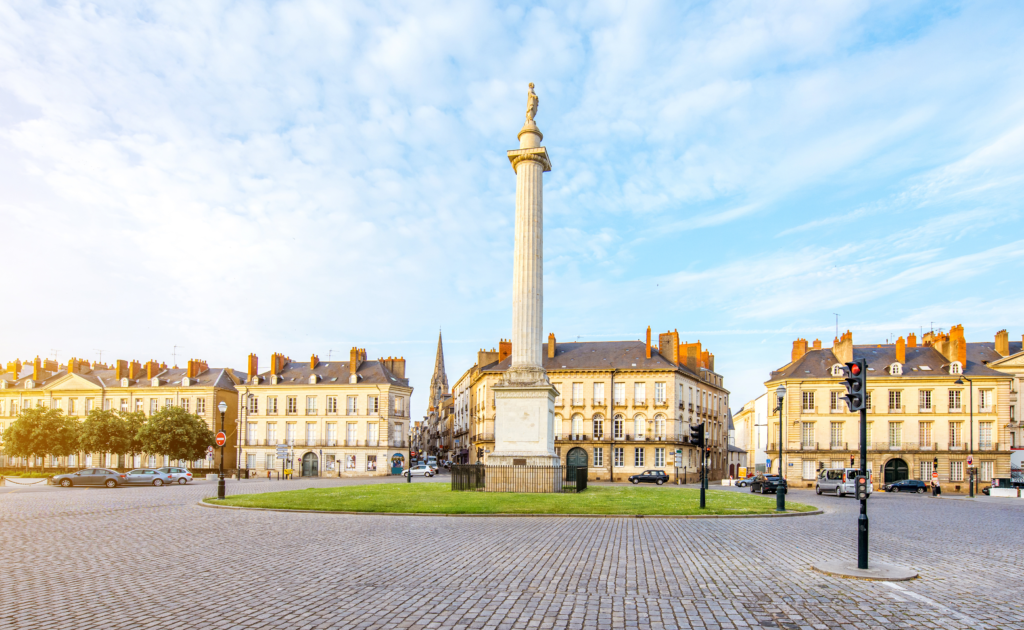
[956, 368]
[124, 382]
[312, 379]
[155, 382]
[3, 384]
[837, 370]
[29, 384]
[896, 369]
[255, 380]
[185, 382]
[274, 379]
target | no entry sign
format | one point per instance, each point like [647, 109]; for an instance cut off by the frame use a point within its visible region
[221, 438]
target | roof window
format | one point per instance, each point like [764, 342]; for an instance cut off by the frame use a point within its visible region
[956, 368]
[896, 369]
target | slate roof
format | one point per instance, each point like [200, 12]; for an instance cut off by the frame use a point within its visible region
[922, 362]
[736, 449]
[333, 373]
[214, 377]
[599, 355]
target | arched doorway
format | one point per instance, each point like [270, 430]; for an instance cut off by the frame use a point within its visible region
[310, 465]
[574, 458]
[896, 470]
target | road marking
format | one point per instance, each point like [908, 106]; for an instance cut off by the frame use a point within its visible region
[974, 623]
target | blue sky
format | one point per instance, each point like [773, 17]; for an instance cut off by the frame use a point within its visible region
[236, 177]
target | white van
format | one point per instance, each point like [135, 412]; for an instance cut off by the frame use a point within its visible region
[842, 481]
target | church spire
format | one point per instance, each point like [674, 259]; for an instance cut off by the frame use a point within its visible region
[439, 381]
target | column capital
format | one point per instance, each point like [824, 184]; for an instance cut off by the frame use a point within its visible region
[540, 154]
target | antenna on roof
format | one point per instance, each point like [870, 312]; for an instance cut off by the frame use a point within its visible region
[837, 324]
[174, 355]
[54, 353]
[329, 355]
[101, 354]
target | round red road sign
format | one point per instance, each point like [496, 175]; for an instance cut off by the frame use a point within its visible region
[221, 439]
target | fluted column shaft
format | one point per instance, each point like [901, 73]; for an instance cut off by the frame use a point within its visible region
[528, 268]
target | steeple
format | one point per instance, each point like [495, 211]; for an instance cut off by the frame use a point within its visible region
[439, 381]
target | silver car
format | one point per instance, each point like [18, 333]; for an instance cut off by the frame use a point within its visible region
[421, 469]
[148, 477]
[178, 474]
[90, 477]
[842, 481]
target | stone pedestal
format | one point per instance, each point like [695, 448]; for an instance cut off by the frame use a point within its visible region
[524, 438]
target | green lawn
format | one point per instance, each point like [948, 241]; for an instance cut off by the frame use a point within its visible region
[439, 499]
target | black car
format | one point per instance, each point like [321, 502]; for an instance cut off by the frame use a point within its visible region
[768, 484]
[650, 476]
[907, 485]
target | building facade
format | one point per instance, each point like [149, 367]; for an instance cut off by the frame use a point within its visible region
[338, 418]
[623, 406]
[79, 387]
[930, 406]
[752, 433]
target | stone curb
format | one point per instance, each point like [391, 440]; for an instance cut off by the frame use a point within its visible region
[689, 516]
[880, 571]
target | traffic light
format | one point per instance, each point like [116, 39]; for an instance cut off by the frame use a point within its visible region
[862, 487]
[697, 434]
[855, 379]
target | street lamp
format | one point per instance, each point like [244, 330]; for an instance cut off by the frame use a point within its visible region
[780, 491]
[970, 469]
[222, 407]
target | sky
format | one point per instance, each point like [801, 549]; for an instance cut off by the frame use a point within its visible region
[209, 179]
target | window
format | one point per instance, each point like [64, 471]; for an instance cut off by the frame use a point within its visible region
[956, 471]
[618, 456]
[272, 405]
[558, 394]
[954, 399]
[986, 471]
[57, 403]
[88, 407]
[71, 406]
[639, 422]
[152, 461]
[350, 406]
[598, 426]
[836, 401]
[576, 424]
[955, 368]
[924, 400]
[332, 434]
[984, 401]
[617, 426]
[896, 369]
[350, 462]
[659, 457]
[371, 463]
[269, 463]
[895, 434]
[291, 404]
[250, 460]
[598, 393]
[372, 434]
[925, 471]
[869, 428]
[639, 393]
[399, 436]
[809, 470]
[254, 406]
[184, 404]
[332, 404]
[638, 457]
[836, 435]
[577, 393]
[271, 433]
[311, 405]
[372, 405]
[400, 406]
[837, 370]
[201, 406]
[350, 433]
[153, 404]
[290, 433]
[250, 433]
[659, 394]
[808, 401]
[924, 434]
[168, 403]
[895, 400]
[659, 426]
[807, 434]
[955, 434]
[599, 456]
[867, 402]
[985, 435]
[14, 407]
[619, 394]
[310, 433]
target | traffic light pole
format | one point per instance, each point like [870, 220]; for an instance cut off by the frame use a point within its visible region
[862, 521]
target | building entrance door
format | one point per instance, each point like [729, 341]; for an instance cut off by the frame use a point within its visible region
[574, 458]
[896, 470]
[310, 465]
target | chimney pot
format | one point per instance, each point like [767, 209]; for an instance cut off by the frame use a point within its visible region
[1003, 343]
[551, 345]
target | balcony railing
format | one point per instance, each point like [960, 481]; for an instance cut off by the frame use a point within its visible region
[483, 437]
[988, 446]
[578, 402]
[599, 402]
[809, 446]
[839, 446]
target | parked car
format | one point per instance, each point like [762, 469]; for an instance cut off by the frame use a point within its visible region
[907, 485]
[91, 477]
[148, 477]
[650, 476]
[180, 475]
[421, 470]
[746, 481]
[768, 484]
[842, 481]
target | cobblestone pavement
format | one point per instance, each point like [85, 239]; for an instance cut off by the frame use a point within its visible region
[86, 558]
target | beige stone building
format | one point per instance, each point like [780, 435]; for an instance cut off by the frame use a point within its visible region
[920, 409]
[339, 418]
[623, 406]
[79, 387]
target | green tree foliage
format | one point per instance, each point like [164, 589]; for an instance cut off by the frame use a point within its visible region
[174, 432]
[134, 421]
[107, 432]
[41, 431]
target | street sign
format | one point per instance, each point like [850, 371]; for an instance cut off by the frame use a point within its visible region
[935, 476]
[970, 460]
[768, 463]
[209, 450]
[221, 438]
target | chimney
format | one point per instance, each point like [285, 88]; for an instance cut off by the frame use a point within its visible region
[911, 340]
[504, 349]
[668, 346]
[49, 365]
[958, 345]
[843, 347]
[277, 362]
[486, 357]
[313, 361]
[72, 366]
[356, 358]
[901, 351]
[689, 355]
[799, 349]
[648, 351]
[37, 370]
[1003, 343]
[152, 368]
[14, 367]
[551, 345]
[254, 363]
[399, 367]
[120, 369]
[816, 345]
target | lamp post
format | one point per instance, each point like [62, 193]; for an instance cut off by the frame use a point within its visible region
[780, 491]
[222, 407]
[935, 481]
[970, 469]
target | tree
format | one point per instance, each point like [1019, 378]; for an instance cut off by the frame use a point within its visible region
[107, 432]
[134, 421]
[41, 431]
[174, 432]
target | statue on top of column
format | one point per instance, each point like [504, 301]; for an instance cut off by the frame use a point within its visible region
[531, 104]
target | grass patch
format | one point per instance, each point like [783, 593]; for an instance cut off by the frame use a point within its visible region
[439, 499]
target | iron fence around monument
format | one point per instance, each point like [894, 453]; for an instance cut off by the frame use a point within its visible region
[475, 477]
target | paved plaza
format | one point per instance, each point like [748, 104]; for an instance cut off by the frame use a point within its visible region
[146, 557]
